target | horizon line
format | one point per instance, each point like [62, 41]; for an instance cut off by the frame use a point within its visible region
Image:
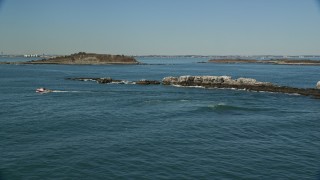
[164, 55]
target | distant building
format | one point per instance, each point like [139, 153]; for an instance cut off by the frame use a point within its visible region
[30, 55]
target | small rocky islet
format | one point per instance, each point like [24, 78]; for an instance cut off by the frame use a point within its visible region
[107, 80]
[220, 82]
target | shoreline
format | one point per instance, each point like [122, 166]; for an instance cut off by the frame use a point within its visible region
[306, 62]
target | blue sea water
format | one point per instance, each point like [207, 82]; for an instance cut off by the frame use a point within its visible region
[86, 130]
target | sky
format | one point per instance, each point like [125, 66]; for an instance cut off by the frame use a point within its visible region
[160, 27]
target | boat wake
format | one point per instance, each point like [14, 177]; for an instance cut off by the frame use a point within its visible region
[59, 91]
[55, 91]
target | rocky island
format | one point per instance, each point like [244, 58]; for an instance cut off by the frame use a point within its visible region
[272, 61]
[247, 84]
[220, 82]
[83, 58]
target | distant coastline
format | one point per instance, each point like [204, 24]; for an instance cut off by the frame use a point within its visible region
[256, 57]
[82, 58]
[96, 59]
[272, 61]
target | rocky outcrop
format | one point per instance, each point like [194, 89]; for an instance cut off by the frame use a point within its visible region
[240, 83]
[208, 81]
[318, 85]
[86, 58]
[248, 84]
[148, 82]
[107, 80]
[104, 80]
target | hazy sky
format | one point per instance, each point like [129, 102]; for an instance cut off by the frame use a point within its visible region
[171, 27]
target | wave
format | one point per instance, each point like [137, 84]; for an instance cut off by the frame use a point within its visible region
[201, 87]
[122, 82]
[165, 101]
[221, 107]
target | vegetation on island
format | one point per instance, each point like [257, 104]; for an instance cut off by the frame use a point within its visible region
[87, 58]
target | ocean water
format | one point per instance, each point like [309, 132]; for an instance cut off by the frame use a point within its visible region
[85, 130]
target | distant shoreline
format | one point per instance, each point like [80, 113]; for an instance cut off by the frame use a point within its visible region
[272, 61]
[262, 57]
[83, 58]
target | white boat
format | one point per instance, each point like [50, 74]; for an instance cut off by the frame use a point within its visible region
[43, 90]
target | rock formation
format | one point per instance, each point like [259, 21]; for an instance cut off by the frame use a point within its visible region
[208, 81]
[104, 80]
[148, 82]
[107, 80]
[240, 83]
[248, 84]
[318, 85]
